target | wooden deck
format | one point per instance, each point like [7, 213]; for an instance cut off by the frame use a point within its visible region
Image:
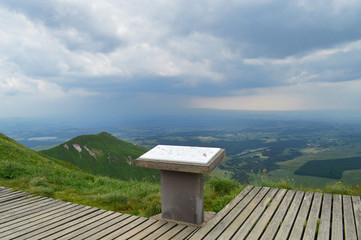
[256, 213]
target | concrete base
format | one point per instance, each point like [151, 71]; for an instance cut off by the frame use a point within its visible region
[207, 216]
[182, 196]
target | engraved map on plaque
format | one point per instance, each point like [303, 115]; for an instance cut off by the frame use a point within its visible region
[182, 154]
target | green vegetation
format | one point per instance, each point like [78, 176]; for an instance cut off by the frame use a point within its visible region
[281, 147]
[103, 154]
[263, 179]
[26, 170]
[332, 168]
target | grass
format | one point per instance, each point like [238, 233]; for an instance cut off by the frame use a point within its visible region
[142, 198]
[337, 187]
[332, 168]
[287, 169]
[26, 170]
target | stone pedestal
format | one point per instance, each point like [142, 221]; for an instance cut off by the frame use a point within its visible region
[182, 196]
[182, 170]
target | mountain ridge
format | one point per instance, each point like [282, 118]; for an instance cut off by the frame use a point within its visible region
[103, 154]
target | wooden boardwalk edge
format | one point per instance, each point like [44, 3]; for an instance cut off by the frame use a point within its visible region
[255, 213]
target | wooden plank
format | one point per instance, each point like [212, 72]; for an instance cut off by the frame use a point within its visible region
[310, 231]
[10, 192]
[140, 228]
[89, 226]
[349, 220]
[171, 233]
[298, 226]
[220, 215]
[248, 224]
[101, 228]
[228, 219]
[112, 228]
[25, 226]
[185, 233]
[272, 228]
[54, 227]
[289, 219]
[33, 210]
[266, 217]
[24, 204]
[250, 215]
[76, 226]
[14, 196]
[44, 218]
[11, 197]
[49, 224]
[27, 212]
[21, 204]
[17, 205]
[119, 232]
[65, 224]
[337, 225]
[34, 215]
[149, 230]
[325, 220]
[238, 219]
[165, 228]
[357, 212]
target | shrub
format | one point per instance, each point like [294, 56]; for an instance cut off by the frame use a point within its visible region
[39, 182]
[43, 191]
[153, 209]
[9, 170]
[223, 186]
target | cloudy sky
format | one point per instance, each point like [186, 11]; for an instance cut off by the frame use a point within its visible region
[66, 57]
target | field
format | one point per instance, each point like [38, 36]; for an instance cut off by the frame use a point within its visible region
[332, 168]
[279, 147]
[282, 149]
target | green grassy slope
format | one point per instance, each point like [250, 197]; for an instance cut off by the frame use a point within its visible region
[103, 154]
[26, 170]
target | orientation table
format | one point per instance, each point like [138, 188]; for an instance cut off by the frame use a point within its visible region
[181, 169]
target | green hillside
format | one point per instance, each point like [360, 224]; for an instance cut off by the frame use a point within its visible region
[26, 170]
[103, 154]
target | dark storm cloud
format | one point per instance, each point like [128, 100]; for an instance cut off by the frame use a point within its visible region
[273, 29]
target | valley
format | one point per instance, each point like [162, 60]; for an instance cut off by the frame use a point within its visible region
[278, 151]
[257, 149]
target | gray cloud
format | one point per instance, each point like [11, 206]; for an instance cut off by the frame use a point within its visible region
[103, 51]
[273, 28]
[75, 24]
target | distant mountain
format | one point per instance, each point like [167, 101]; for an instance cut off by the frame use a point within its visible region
[103, 154]
[27, 170]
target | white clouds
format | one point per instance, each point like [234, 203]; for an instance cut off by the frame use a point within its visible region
[21, 86]
[322, 54]
[101, 39]
[63, 50]
[307, 96]
[336, 5]
[324, 65]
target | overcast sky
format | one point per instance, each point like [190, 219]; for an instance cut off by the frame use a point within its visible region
[66, 57]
